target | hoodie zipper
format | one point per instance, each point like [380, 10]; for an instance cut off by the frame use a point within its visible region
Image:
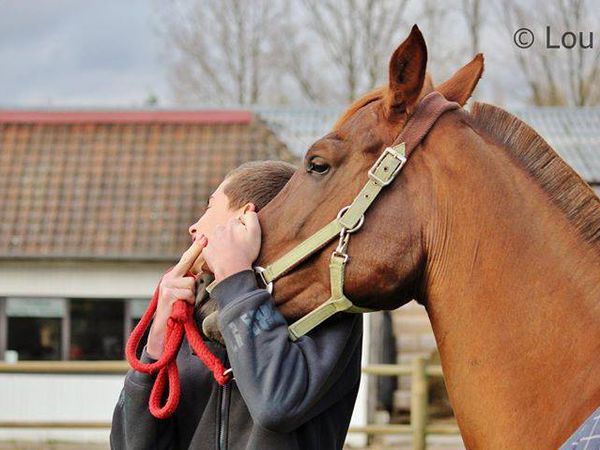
[225, 398]
[224, 419]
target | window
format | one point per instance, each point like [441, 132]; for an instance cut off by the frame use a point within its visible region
[34, 327]
[137, 307]
[97, 329]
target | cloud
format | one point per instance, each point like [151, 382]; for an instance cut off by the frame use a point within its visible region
[73, 53]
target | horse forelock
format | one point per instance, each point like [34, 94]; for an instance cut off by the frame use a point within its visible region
[379, 93]
[371, 96]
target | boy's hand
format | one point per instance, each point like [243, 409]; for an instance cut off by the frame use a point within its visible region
[233, 247]
[174, 285]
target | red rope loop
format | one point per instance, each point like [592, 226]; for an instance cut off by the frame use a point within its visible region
[179, 322]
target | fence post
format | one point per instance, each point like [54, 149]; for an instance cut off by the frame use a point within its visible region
[418, 403]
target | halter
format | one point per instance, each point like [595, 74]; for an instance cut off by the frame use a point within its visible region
[351, 218]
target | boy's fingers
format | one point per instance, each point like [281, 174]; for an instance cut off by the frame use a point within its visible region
[207, 266]
[189, 256]
[185, 294]
[230, 227]
[183, 283]
[251, 222]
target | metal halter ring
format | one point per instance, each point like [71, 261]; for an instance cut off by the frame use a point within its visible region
[227, 372]
[355, 227]
[259, 271]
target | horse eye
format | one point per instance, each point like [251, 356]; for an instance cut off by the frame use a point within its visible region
[317, 166]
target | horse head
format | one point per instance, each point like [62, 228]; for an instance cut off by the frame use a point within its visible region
[387, 254]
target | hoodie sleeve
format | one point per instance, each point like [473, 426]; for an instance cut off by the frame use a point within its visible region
[133, 426]
[285, 383]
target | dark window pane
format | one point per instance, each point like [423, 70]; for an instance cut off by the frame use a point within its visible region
[144, 340]
[35, 338]
[96, 329]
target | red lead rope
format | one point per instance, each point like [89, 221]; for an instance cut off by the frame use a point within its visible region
[180, 320]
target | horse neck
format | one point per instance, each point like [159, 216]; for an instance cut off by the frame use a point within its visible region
[513, 293]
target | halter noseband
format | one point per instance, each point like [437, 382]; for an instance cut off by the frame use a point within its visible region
[351, 217]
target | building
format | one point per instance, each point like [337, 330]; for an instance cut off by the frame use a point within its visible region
[94, 207]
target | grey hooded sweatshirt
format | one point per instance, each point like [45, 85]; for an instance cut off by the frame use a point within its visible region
[284, 395]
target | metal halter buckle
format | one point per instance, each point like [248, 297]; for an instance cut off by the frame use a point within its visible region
[395, 154]
[343, 242]
[343, 255]
[259, 271]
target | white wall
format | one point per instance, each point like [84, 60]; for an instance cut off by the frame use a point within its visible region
[45, 397]
[56, 398]
[89, 279]
[360, 413]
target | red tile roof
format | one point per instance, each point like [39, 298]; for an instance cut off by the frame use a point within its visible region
[206, 117]
[123, 185]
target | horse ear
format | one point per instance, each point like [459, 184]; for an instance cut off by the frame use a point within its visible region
[460, 86]
[407, 72]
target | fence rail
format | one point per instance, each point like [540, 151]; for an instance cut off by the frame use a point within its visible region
[420, 372]
[66, 367]
[61, 367]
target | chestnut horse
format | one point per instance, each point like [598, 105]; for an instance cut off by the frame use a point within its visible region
[486, 227]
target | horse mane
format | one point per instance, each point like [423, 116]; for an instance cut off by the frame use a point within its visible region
[564, 186]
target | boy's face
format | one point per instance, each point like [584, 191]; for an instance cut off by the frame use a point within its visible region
[217, 213]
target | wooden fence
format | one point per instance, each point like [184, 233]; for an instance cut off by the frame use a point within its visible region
[419, 371]
[419, 427]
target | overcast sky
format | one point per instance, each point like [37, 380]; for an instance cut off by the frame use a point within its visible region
[108, 53]
[82, 53]
[79, 53]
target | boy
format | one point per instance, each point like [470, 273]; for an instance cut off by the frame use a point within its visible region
[284, 395]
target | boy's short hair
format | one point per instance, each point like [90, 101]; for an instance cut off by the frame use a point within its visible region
[257, 182]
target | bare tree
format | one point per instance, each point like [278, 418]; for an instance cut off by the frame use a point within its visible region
[556, 76]
[354, 39]
[583, 62]
[222, 50]
[323, 51]
[331, 51]
[442, 26]
[472, 11]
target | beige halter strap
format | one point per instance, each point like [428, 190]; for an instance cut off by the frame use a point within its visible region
[351, 218]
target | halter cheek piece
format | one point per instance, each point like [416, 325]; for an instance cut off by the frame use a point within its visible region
[351, 218]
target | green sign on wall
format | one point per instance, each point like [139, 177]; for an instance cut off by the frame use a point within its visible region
[36, 307]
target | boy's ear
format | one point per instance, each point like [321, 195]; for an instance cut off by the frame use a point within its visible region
[246, 208]
[249, 207]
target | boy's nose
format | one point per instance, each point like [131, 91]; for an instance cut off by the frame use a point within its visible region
[192, 229]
